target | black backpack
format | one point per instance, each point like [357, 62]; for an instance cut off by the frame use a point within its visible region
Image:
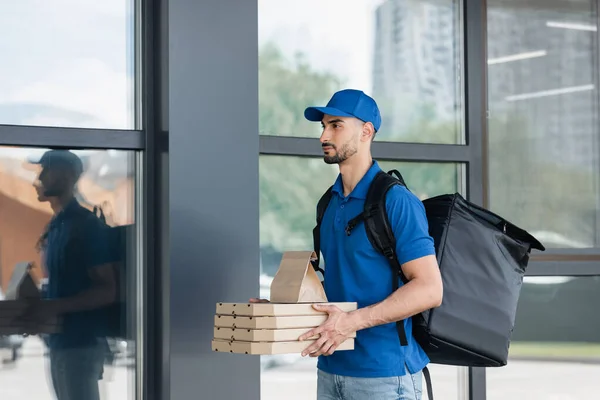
[114, 315]
[482, 259]
[120, 242]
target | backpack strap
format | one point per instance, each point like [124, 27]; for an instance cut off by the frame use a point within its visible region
[399, 176]
[99, 213]
[379, 231]
[321, 208]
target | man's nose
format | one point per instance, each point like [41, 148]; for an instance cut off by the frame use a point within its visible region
[324, 136]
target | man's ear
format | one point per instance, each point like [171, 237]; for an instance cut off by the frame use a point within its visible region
[368, 132]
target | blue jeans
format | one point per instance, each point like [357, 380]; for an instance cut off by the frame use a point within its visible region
[336, 387]
[75, 372]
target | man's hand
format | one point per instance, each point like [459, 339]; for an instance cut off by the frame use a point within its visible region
[335, 330]
[254, 300]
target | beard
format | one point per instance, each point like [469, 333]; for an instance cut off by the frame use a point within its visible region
[346, 151]
[55, 190]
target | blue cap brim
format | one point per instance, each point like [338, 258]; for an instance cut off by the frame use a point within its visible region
[316, 113]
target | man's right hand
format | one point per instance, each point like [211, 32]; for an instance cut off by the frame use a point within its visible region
[254, 300]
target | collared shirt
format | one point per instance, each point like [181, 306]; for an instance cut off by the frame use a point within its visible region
[356, 272]
[77, 241]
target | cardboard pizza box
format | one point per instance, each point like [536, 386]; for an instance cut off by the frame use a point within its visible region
[286, 322]
[14, 320]
[268, 348]
[12, 309]
[262, 335]
[276, 309]
[10, 329]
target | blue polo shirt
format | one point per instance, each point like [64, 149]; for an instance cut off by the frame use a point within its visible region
[356, 272]
[77, 241]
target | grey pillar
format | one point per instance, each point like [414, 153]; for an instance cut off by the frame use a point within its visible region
[213, 191]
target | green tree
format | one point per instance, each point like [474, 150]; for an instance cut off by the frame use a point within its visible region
[285, 90]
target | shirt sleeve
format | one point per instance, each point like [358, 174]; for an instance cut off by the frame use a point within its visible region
[408, 219]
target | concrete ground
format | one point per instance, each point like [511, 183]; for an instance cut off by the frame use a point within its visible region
[28, 377]
[520, 380]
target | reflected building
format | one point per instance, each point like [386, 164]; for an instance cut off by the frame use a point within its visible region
[415, 73]
[543, 76]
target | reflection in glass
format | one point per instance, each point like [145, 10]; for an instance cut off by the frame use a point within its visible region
[67, 63]
[404, 53]
[290, 188]
[556, 335]
[67, 225]
[544, 140]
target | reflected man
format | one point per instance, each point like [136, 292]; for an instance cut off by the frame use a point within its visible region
[81, 280]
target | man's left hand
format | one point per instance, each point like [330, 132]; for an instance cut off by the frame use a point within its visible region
[335, 330]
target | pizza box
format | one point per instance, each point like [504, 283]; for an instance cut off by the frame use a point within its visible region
[261, 335]
[14, 320]
[277, 309]
[12, 328]
[285, 322]
[12, 309]
[267, 348]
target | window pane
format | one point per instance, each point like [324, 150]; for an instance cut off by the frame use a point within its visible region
[290, 188]
[555, 340]
[67, 63]
[84, 268]
[404, 53]
[544, 134]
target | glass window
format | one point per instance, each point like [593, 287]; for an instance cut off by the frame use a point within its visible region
[544, 151]
[555, 340]
[67, 63]
[404, 53]
[67, 236]
[290, 188]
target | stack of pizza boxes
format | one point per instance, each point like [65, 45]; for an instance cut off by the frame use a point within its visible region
[275, 327]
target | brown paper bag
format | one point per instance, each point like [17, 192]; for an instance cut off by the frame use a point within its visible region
[296, 280]
[21, 284]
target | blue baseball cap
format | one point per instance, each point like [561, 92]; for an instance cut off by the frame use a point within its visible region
[348, 103]
[60, 158]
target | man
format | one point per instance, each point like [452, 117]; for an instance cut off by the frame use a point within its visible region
[378, 367]
[81, 280]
